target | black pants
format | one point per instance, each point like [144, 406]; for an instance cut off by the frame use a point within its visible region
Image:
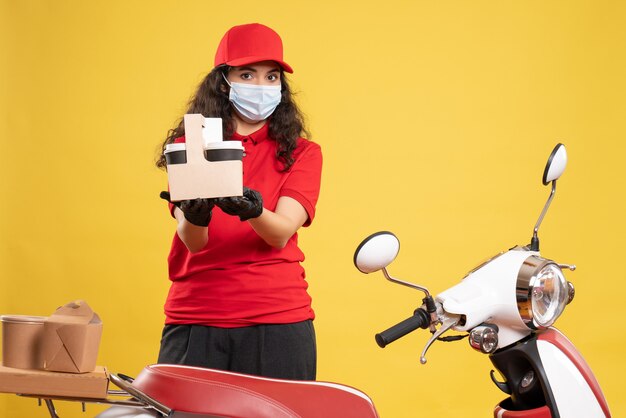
[284, 351]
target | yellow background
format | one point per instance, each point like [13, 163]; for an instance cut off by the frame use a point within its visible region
[435, 119]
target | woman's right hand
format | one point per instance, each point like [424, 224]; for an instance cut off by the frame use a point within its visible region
[248, 206]
[196, 211]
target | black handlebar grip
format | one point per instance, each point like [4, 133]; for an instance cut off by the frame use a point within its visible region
[420, 319]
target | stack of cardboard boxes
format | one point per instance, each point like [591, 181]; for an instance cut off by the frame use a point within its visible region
[53, 356]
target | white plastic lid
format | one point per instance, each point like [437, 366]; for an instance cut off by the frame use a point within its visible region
[224, 145]
[180, 146]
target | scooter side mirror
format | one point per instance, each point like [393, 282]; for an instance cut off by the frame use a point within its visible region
[554, 169]
[556, 164]
[376, 252]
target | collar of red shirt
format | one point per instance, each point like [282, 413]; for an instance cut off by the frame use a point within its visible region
[255, 137]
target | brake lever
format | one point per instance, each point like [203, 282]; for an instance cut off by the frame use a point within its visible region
[447, 323]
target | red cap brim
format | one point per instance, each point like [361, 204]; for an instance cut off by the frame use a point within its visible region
[251, 60]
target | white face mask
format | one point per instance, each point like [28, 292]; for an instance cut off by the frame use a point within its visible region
[254, 102]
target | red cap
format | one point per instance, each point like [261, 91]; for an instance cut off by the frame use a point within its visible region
[247, 44]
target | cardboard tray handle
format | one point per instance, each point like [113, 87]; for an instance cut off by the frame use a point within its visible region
[125, 382]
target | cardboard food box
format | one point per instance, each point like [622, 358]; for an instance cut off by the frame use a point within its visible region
[70, 340]
[92, 385]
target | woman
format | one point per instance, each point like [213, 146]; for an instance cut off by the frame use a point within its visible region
[238, 297]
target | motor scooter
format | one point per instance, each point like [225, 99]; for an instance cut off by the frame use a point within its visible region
[506, 307]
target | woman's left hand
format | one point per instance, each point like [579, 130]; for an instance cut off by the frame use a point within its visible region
[248, 206]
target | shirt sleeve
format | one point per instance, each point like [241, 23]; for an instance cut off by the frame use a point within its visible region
[303, 182]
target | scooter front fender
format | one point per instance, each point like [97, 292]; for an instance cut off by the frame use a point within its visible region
[562, 381]
[575, 388]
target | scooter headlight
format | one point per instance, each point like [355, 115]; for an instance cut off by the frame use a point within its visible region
[542, 292]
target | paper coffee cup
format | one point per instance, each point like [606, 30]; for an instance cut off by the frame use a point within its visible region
[175, 153]
[224, 151]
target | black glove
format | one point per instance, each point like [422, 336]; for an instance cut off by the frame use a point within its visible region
[196, 211]
[248, 206]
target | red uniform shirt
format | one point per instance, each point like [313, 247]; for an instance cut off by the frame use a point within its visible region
[238, 279]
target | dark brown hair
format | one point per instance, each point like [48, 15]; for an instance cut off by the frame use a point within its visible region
[211, 100]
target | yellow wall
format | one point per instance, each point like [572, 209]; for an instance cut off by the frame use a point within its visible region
[435, 119]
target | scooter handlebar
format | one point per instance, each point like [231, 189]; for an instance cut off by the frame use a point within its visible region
[420, 319]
